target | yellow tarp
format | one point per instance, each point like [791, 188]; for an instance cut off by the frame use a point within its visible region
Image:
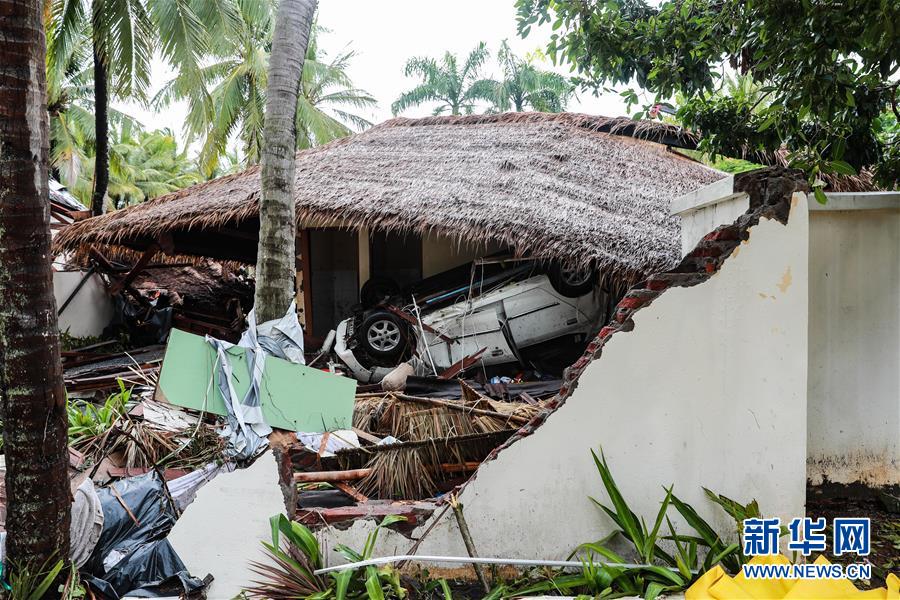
[718, 585]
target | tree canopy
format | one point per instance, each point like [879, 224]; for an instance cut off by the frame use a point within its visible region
[455, 87]
[524, 86]
[230, 97]
[827, 71]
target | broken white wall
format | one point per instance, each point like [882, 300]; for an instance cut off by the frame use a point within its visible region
[702, 210]
[709, 389]
[854, 339]
[89, 311]
[222, 531]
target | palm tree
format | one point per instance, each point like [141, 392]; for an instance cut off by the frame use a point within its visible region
[276, 257]
[70, 103]
[31, 385]
[123, 36]
[231, 100]
[326, 94]
[456, 89]
[142, 165]
[525, 87]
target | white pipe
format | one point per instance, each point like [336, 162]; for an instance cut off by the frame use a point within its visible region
[521, 562]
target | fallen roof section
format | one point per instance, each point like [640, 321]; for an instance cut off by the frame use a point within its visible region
[577, 188]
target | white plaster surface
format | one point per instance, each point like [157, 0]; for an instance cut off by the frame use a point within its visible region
[709, 389]
[221, 531]
[89, 311]
[854, 344]
[699, 221]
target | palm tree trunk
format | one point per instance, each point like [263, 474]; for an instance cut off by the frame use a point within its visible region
[33, 399]
[101, 126]
[275, 261]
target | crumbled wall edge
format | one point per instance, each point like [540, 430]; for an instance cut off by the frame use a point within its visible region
[770, 191]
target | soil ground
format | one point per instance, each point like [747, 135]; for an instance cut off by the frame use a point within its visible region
[885, 555]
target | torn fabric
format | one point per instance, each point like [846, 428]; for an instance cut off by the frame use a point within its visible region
[245, 427]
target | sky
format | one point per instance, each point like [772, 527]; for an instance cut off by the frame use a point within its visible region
[385, 34]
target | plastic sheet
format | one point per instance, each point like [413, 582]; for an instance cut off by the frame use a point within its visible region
[184, 489]
[87, 523]
[282, 338]
[132, 555]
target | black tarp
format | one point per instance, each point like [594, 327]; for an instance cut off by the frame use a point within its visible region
[132, 555]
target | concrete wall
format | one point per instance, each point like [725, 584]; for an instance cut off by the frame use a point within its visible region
[703, 210]
[89, 311]
[854, 341]
[709, 389]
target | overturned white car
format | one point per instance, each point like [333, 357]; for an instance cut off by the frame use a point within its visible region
[524, 317]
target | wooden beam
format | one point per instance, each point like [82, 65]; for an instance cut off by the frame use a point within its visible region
[138, 268]
[330, 476]
[351, 491]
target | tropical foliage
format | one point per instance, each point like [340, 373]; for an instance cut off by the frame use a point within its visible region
[824, 91]
[455, 88]
[523, 86]
[459, 89]
[142, 164]
[294, 555]
[229, 102]
[123, 36]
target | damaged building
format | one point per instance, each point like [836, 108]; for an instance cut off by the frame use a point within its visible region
[424, 210]
[704, 351]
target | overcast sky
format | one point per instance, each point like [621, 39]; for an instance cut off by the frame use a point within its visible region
[385, 34]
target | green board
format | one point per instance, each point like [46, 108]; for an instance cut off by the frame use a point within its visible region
[293, 397]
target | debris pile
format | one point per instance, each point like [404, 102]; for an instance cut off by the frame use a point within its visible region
[404, 453]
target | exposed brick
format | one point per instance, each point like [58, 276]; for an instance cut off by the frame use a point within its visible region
[606, 332]
[770, 192]
[710, 250]
[622, 315]
[728, 233]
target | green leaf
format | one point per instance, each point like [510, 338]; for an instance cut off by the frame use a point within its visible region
[627, 519]
[391, 519]
[373, 584]
[820, 195]
[46, 582]
[842, 167]
[445, 589]
[717, 558]
[342, 583]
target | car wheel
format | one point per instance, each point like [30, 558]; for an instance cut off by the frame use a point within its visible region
[384, 335]
[572, 281]
[376, 290]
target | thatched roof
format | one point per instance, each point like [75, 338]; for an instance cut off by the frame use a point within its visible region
[565, 186]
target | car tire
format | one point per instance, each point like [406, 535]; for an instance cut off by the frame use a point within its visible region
[572, 282]
[383, 335]
[376, 290]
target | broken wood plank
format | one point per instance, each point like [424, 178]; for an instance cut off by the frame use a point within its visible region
[413, 513]
[351, 491]
[461, 365]
[365, 435]
[331, 476]
[136, 270]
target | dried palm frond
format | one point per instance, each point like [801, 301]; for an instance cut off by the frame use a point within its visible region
[402, 473]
